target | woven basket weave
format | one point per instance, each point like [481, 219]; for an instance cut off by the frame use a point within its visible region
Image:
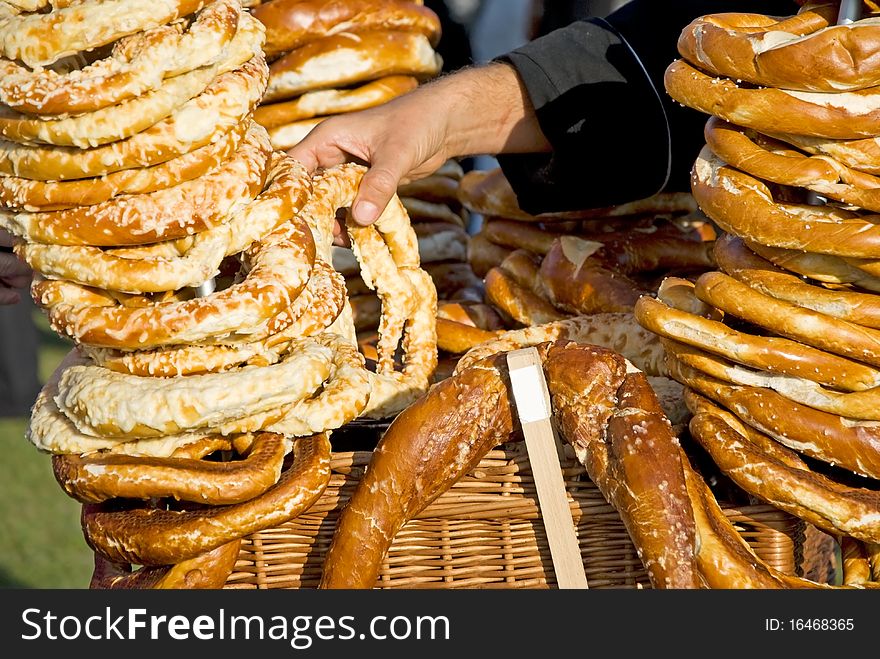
[486, 532]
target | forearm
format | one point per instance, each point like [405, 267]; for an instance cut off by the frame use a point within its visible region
[487, 111]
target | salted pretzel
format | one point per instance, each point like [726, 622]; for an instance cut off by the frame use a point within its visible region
[136, 64]
[806, 52]
[744, 206]
[293, 23]
[175, 264]
[157, 536]
[517, 301]
[841, 115]
[617, 400]
[135, 114]
[168, 214]
[346, 59]
[227, 101]
[24, 194]
[35, 39]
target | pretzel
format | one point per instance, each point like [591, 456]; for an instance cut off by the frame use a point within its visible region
[440, 241]
[428, 211]
[842, 115]
[152, 536]
[744, 206]
[806, 52]
[35, 39]
[483, 254]
[31, 195]
[482, 316]
[860, 154]
[602, 409]
[205, 571]
[201, 120]
[435, 188]
[615, 331]
[293, 23]
[136, 64]
[516, 234]
[346, 59]
[280, 265]
[287, 136]
[840, 337]
[458, 338]
[131, 116]
[774, 161]
[334, 101]
[175, 264]
[517, 301]
[827, 437]
[766, 353]
[577, 283]
[388, 260]
[735, 259]
[489, 193]
[815, 498]
[821, 267]
[98, 401]
[96, 478]
[451, 278]
[725, 559]
[312, 312]
[167, 214]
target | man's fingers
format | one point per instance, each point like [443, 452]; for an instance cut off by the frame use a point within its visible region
[375, 191]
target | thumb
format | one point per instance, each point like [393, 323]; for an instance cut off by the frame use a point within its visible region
[377, 188]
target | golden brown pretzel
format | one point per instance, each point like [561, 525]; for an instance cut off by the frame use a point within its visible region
[518, 302]
[153, 536]
[475, 314]
[325, 102]
[293, 23]
[483, 254]
[577, 283]
[95, 478]
[457, 337]
[738, 261]
[771, 160]
[744, 206]
[418, 466]
[347, 59]
[806, 52]
[826, 437]
[843, 115]
[207, 571]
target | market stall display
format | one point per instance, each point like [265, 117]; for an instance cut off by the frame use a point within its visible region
[775, 346]
[184, 418]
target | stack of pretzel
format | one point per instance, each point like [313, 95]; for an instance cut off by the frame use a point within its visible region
[327, 57]
[133, 172]
[778, 348]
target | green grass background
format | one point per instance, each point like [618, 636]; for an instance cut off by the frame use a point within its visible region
[41, 543]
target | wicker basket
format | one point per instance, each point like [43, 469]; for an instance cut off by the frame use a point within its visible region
[486, 532]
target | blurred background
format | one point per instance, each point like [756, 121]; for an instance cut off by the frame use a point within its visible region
[41, 544]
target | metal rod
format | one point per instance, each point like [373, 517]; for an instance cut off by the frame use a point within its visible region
[206, 287]
[850, 11]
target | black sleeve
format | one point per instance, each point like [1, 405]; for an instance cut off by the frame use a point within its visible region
[597, 89]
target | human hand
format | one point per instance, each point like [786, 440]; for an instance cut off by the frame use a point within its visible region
[14, 273]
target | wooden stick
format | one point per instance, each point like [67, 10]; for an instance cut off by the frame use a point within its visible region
[533, 407]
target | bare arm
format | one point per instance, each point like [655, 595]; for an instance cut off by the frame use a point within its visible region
[479, 110]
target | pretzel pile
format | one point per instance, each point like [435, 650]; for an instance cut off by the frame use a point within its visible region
[778, 348]
[184, 420]
[329, 57]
